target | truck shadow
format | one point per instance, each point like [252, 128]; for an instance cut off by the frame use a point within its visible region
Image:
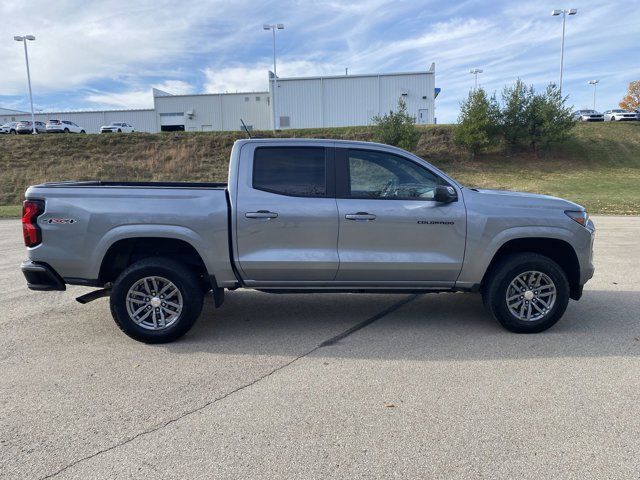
[430, 327]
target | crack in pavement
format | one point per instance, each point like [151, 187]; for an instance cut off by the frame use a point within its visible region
[332, 341]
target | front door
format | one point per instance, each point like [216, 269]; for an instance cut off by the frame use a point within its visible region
[422, 116]
[392, 231]
[286, 215]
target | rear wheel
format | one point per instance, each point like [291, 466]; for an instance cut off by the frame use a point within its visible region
[526, 292]
[66, 130]
[82, 131]
[156, 300]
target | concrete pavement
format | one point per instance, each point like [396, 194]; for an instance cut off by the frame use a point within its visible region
[433, 388]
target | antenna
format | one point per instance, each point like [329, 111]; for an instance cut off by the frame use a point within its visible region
[245, 129]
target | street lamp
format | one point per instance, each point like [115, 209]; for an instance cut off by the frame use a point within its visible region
[595, 86]
[273, 28]
[24, 38]
[564, 13]
[475, 73]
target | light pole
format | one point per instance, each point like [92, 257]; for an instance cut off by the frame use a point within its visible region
[595, 86]
[273, 28]
[475, 73]
[24, 38]
[564, 13]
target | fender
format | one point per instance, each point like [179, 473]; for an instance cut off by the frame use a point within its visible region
[477, 258]
[123, 232]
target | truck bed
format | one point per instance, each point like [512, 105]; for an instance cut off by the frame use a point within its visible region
[102, 183]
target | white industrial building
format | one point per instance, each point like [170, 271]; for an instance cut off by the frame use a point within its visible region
[300, 102]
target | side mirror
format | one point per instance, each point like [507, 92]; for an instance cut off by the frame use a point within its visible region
[445, 194]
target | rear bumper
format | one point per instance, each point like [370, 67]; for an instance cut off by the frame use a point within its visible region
[41, 276]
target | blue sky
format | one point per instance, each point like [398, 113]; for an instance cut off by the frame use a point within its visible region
[94, 55]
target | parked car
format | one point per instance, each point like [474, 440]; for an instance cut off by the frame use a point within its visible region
[305, 215]
[619, 115]
[26, 127]
[588, 116]
[9, 128]
[63, 126]
[117, 127]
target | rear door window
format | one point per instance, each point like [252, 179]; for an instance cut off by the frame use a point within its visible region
[294, 171]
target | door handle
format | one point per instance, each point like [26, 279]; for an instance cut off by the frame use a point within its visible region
[261, 214]
[360, 216]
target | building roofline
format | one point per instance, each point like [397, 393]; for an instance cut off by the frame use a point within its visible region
[13, 111]
[318, 77]
[93, 111]
[266, 92]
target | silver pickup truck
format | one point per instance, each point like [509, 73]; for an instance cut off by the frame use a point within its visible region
[300, 216]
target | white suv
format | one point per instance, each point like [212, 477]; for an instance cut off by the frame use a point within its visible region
[63, 126]
[9, 128]
[119, 127]
[619, 115]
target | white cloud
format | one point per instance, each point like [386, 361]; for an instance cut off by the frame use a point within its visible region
[238, 78]
[245, 78]
[124, 100]
[176, 87]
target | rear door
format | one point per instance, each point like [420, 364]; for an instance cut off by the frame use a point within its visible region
[392, 231]
[286, 214]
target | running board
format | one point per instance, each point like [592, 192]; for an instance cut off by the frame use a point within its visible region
[91, 296]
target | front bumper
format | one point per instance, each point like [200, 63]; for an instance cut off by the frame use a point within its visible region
[41, 276]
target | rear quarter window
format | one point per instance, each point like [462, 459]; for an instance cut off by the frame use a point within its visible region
[293, 171]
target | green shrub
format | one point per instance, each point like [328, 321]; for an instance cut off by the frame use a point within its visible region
[523, 119]
[478, 121]
[397, 128]
[548, 119]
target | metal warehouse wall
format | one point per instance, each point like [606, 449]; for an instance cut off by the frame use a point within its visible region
[216, 111]
[353, 100]
[142, 120]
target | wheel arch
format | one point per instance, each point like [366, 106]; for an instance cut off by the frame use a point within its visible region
[125, 251]
[558, 250]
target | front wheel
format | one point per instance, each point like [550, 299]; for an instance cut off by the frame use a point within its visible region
[526, 292]
[66, 130]
[156, 300]
[82, 131]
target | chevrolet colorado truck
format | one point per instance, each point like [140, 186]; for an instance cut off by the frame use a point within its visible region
[300, 216]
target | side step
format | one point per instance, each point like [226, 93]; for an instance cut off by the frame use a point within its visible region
[91, 296]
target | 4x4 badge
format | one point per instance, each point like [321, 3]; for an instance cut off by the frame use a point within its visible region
[62, 221]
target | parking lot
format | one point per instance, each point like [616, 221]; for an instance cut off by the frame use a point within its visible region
[269, 387]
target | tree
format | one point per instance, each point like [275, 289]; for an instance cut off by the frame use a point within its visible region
[516, 103]
[548, 119]
[631, 100]
[478, 121]
[397, 128]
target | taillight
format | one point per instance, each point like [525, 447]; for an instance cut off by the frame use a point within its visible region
[31, 210]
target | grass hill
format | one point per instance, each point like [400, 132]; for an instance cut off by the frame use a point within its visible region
[599, 167]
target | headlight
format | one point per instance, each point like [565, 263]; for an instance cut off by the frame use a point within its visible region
[581, 217]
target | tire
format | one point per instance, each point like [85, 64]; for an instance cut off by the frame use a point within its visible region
[119, 131]
[82, 131]
[129, 292]
[66, 130]
[500, 285]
